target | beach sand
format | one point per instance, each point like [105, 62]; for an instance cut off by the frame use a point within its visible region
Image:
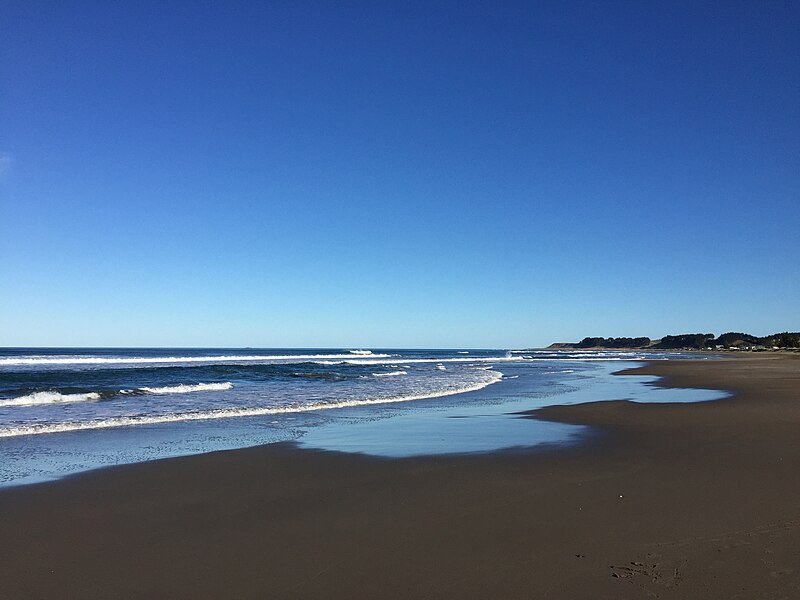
[667, 501]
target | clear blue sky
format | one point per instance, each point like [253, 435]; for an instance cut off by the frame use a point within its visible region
[409, 174]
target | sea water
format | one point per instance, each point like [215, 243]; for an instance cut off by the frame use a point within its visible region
[67, 410]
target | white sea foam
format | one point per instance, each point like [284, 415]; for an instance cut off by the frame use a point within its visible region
[391, 374]
[185, 389]
[38, 429]
[98, 360]
[441, 367]
[353, 357]
[371, 361]
[49, 398]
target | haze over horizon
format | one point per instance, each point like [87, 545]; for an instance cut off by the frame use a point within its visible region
[299, 174]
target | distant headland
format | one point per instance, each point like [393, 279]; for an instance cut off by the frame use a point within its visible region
[691, 341]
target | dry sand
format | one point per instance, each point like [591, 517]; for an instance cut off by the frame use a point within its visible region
[669, 501]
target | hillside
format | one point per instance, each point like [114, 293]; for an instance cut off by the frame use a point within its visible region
[690, 341]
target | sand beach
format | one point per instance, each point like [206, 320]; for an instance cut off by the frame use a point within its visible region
[667, 501]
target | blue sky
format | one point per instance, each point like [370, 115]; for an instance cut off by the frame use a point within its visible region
[410, 174]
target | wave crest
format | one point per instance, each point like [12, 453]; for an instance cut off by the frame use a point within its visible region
[121, 360]
[38, 398]
[185, 389]
[494, 377]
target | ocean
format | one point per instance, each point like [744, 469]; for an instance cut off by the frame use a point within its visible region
[66, 410]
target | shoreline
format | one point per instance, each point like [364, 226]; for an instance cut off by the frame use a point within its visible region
[680, 500]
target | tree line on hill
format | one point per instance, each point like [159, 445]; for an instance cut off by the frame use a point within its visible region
[696, 341]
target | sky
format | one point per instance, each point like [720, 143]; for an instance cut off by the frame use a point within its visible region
[396, 174]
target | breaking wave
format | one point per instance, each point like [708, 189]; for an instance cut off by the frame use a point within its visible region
[390, 360]
[50, 398]
[38, 429]
[121, 360]
[391, 374]
[185, 389]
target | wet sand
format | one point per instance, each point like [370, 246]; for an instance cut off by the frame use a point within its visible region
[667, 501]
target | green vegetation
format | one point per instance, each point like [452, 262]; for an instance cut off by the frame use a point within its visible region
[781, 340]
[696, 341]
[622, 342]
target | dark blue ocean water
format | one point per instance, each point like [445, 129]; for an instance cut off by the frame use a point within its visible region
[65, 410]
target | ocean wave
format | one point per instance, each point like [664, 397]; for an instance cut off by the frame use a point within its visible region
[98, 360]
[51, 397]
[390, 374]
[408, 361]
[38, 398]
[329, 375]
[185, 389]
[353, 357]
[38, 429]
